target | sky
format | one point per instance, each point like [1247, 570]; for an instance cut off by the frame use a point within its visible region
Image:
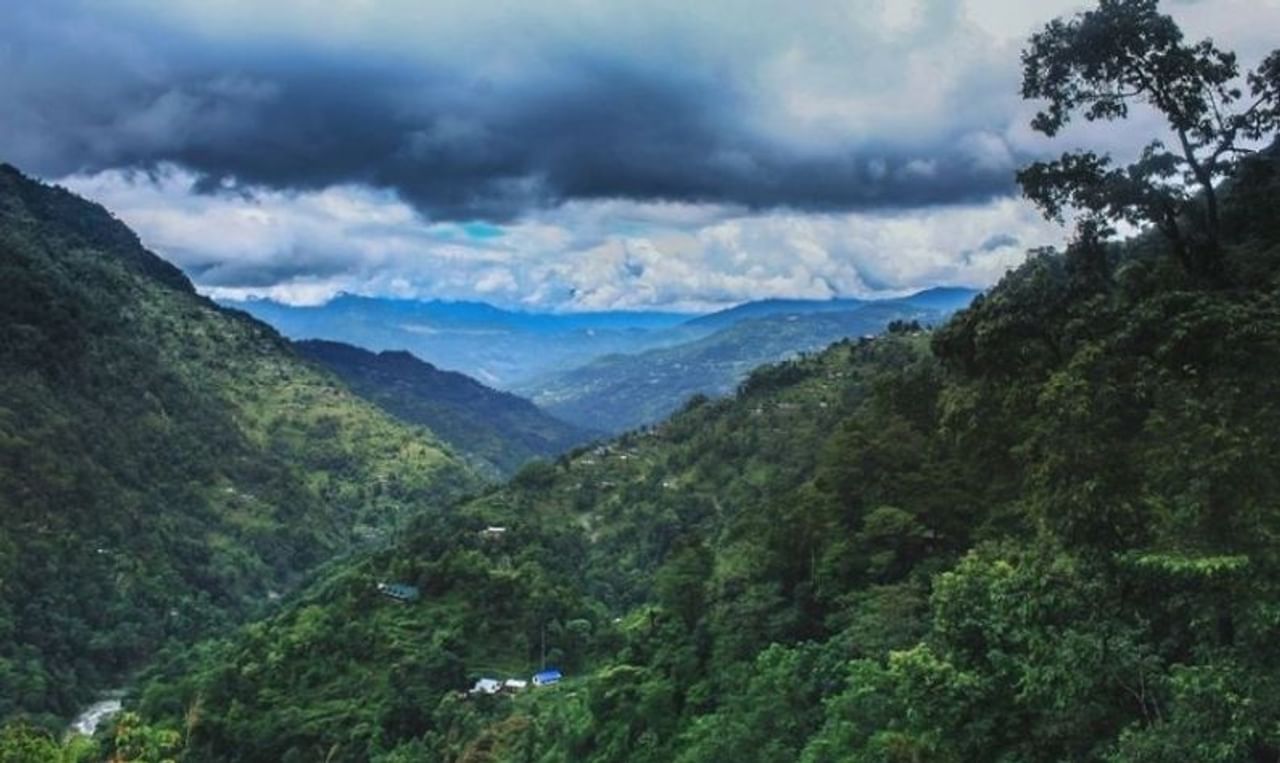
[560, 155]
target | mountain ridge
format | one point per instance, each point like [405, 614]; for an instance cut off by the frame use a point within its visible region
[623, 391]
[499, 431]
[509, 349]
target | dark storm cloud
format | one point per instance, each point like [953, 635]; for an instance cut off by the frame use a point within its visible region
[94, 92]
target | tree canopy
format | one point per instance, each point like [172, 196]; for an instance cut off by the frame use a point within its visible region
[1104, 62]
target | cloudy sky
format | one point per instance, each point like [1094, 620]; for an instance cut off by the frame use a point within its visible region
[562, 155]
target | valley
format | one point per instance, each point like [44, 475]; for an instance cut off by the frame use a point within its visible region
[571, 382]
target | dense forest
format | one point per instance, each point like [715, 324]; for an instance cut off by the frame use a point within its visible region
[497, 432]
[1046, 530]
[166, 466]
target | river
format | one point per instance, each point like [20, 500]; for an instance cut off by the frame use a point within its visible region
[88, 720]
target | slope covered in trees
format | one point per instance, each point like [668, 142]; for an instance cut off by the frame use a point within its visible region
[497, 431]
[165, 464]
[620, 392]
[1046, 531]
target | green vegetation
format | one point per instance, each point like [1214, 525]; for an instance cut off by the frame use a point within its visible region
[498, 432]
[623, 530]
[165, 464]
[621, 392]
[1125, 53]
[1046, 531]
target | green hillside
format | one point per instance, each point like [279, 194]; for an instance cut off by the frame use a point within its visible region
[1046, 531]
[165, 464]
[620, 392]
[498, 432]
[582, 542]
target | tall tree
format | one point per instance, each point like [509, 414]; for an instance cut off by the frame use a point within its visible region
[1100, 64]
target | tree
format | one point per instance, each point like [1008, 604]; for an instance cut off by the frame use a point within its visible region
[20, 743]
[138, 741]
[1126, 53]
[681, 582]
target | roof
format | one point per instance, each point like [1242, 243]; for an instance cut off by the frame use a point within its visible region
[486, 686]
[547, 675]
[399, 590]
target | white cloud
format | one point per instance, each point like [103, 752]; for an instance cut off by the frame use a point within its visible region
[869, 80]
[305, 247]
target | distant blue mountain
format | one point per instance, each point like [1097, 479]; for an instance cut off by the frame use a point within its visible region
[509, 349]
[499, 347]
[765, 308]
[944, 299]
[624, 391]
[471, 315]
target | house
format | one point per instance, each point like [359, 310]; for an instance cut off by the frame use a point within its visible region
[486, 686]
[399, 591]
[547, 678]
[514, 685]
[492, 532]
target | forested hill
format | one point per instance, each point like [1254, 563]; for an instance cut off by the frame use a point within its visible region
[498, 431]
[621, 392]
[1046, 531]
[165, 464]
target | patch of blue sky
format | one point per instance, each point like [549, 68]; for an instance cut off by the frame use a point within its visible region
[481, 231]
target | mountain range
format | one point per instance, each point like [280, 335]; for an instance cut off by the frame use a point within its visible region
[940, 299]
[513, 350]
[171, 465]
[621, 392]
[608, 371]
[500, 348]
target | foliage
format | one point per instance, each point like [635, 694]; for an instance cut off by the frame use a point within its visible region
[1125, 52]
[619, 392]
[496, 431]
[1045, 531]
[165, 465]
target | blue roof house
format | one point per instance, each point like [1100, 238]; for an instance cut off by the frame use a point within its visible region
[547, 678]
